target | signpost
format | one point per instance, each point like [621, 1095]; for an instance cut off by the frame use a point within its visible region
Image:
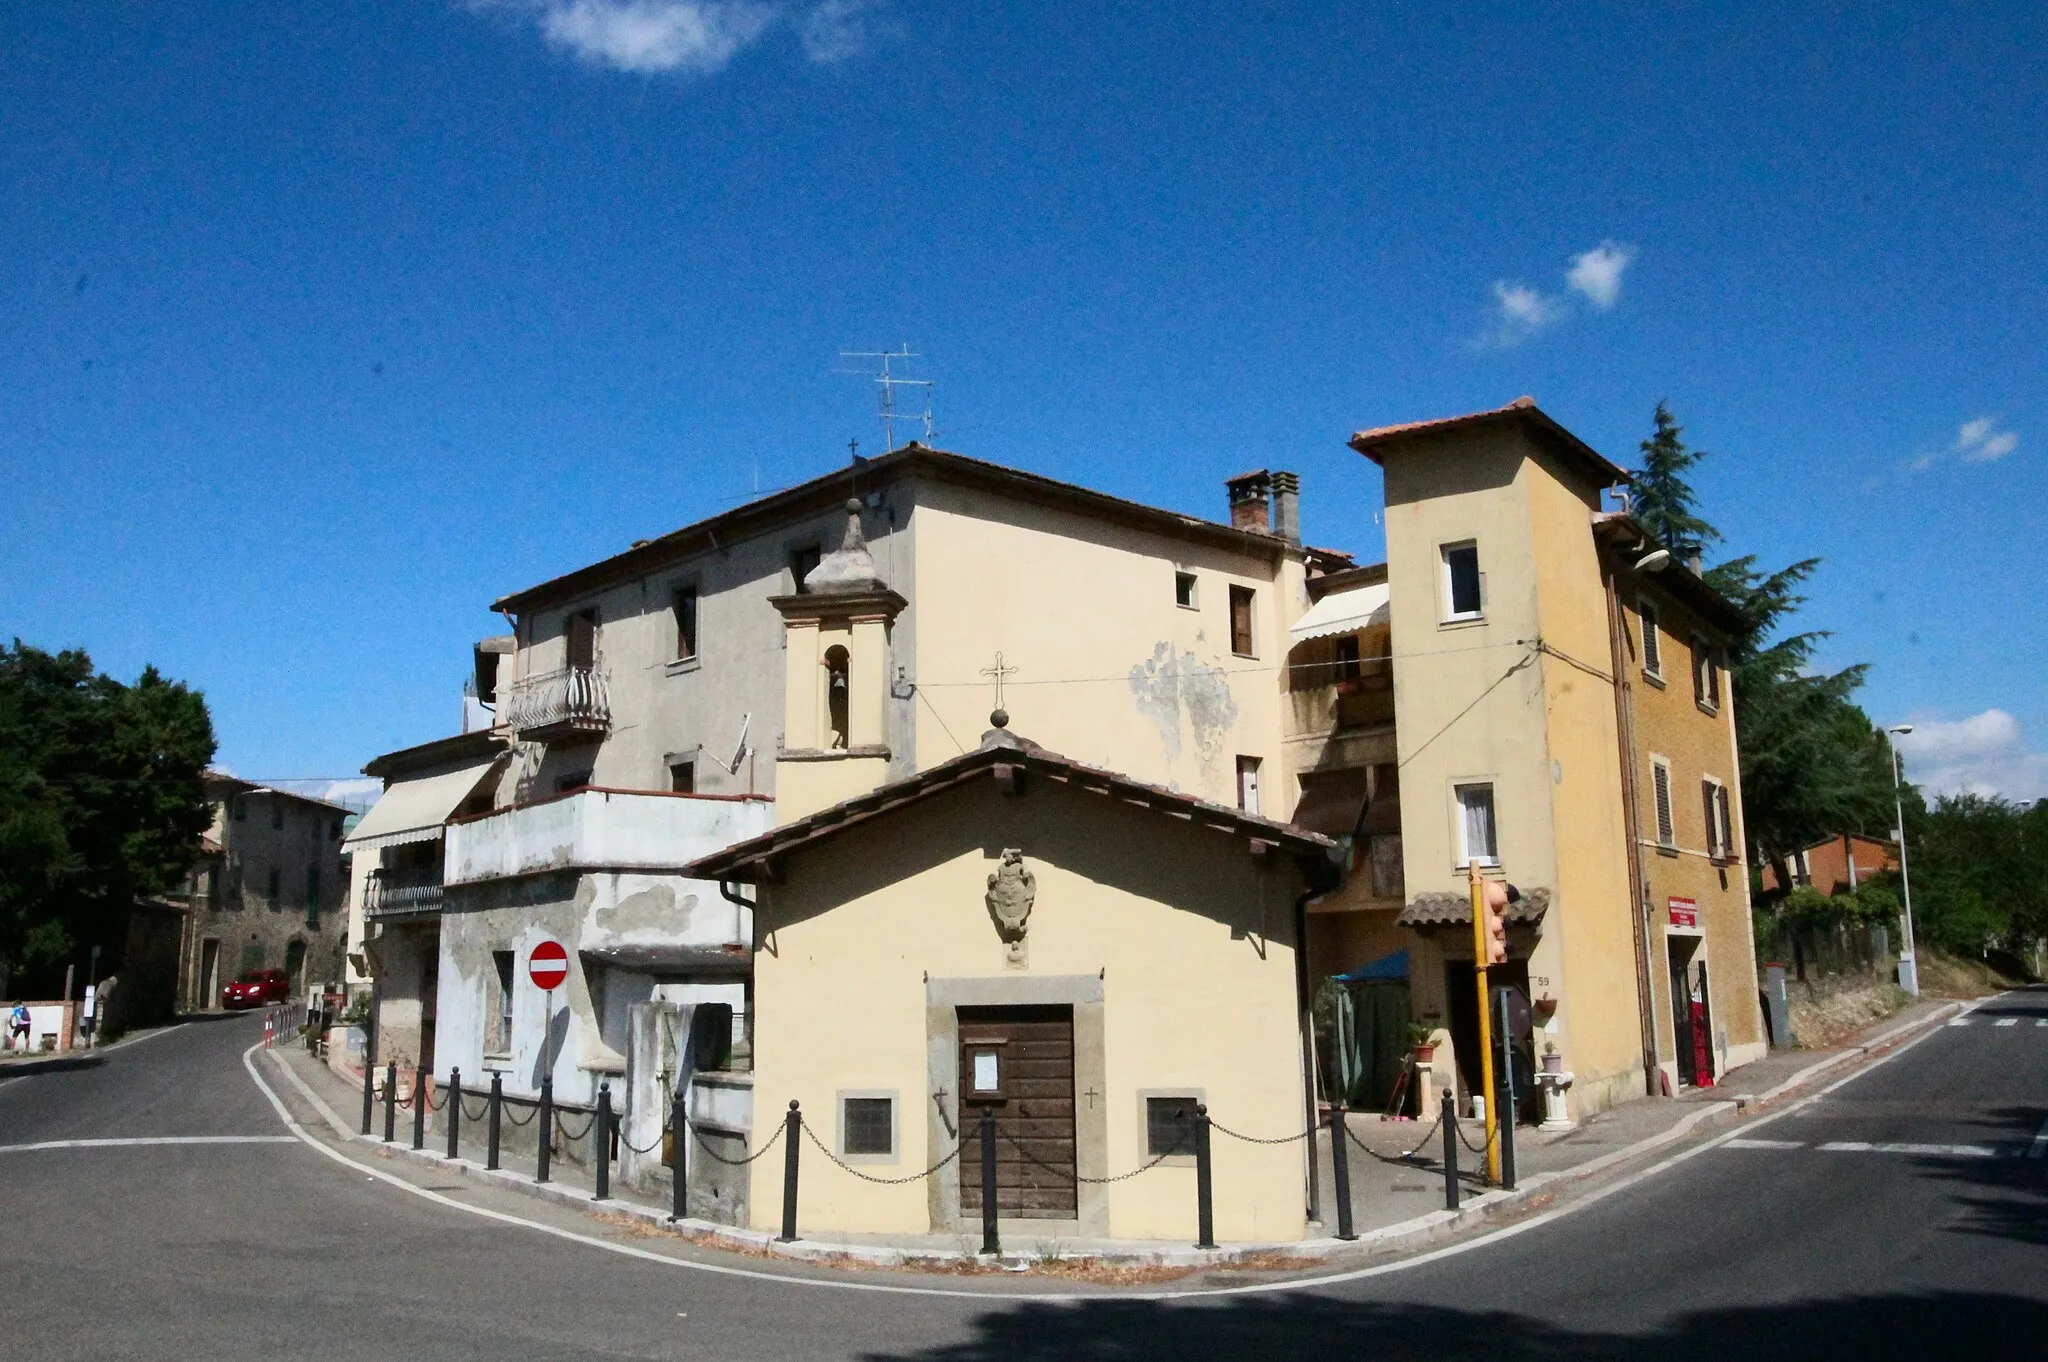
[548, 967]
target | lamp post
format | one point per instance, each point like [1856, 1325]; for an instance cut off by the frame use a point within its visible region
[1909, 964]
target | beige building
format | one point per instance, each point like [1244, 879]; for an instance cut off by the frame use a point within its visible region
[1523, 737]
[1085, 955]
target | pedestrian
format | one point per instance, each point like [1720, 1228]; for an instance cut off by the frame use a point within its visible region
[17, 1027]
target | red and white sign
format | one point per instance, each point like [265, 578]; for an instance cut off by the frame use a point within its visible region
[548, 966]
[1684, 912]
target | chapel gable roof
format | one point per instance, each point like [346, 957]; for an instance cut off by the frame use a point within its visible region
[1003, 757]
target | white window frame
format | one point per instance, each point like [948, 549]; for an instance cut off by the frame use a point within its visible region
[1665, 816]
[1653, 642]
[839, 1101]
[1450, 614]
[1194, 583]
[1459, 842]
[1248, 789]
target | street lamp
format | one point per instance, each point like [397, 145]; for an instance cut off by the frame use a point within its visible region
[1909, 964]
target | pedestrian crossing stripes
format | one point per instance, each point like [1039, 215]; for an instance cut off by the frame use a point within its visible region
[2041, 1022]
[145, 1140]
[1939, 1151]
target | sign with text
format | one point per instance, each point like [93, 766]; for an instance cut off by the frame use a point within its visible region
[1684, 912]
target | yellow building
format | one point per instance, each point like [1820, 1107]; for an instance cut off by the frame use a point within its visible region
[1526, 737]
[1084, 954]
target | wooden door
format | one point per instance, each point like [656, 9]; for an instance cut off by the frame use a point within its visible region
[1019, 1062]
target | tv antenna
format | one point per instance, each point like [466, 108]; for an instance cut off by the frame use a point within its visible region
[887, 381]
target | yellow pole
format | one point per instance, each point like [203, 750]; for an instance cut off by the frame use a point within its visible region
[1478, 886]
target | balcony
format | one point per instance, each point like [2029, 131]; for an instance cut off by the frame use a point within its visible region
[394, 893]
[599, 829]
[568, 705]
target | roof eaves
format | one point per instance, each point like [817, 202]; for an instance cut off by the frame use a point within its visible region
[1522, 411]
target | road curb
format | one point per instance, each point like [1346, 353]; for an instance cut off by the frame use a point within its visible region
[1875, 1043]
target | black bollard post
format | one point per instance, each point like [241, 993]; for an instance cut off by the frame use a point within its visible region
[1340, 1172]
[792, 1136]
[1504, 1091]
[679, 1164]
[601, 1126]
[991, 1242]
[422, 1089]
[369, 1092]
[546, 1121]
[390, 1101]
[454, 1110]
[1205, 1182]
[1450, 1125]
[491, 1127]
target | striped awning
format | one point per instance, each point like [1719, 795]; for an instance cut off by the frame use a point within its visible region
[1343, 612]
[415, 809]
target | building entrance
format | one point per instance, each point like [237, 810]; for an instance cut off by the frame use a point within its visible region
[1019, 1063]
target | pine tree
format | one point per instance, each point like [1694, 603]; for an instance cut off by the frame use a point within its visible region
[1661, 498]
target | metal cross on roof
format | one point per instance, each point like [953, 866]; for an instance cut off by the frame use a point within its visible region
[999, 672]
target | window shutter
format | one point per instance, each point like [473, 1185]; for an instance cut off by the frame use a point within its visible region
[1727, 824]
[1653, 647]
[1661, 778]
[1707, 788]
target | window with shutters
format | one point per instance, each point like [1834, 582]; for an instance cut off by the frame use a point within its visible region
[312, 896]
[1241, 638]
[1660, 785]
[1706, 677]
[683, 606]
[1653, 644]
[1719, 820]
[867, 1126]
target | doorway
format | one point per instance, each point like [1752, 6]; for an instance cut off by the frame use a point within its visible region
[1460, 995]
[1691, 1011]
[209, 974]
[1019, 1063]
[295, 965]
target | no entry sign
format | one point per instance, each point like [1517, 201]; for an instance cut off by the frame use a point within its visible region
[548, 966]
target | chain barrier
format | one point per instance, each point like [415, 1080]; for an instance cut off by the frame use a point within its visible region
[515, 1122]
[1222, 1129]
[1479, 1148]
[469, 1115]
[563, 1130]
[1029, 1157]
[826, 1150]
[698, 1136]
[1420, 1145]
[620, 1130]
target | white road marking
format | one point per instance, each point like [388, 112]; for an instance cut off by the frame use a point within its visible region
[1764, 1144]
[1478, 1241]
[145, 1140]
[2041, 1021]
[1947, 1151]
[2007, 1021]
[2039, 1147]
[1958, 1021]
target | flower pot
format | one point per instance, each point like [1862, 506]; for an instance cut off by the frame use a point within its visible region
[1425, 1054]
[1553, 1063]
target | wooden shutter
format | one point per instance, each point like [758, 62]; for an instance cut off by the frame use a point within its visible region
[1660, 778]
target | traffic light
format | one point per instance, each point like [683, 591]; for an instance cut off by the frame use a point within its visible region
[1495, 923]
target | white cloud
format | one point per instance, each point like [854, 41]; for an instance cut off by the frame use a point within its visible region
[1520, 312]
[697, 37]
[839, 30]
[1985, 754]
[1980, 441]
[1597, 273]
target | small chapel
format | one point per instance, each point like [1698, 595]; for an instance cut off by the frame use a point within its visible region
[1084, 955]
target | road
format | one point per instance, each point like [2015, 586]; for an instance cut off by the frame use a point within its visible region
[1922, 1233]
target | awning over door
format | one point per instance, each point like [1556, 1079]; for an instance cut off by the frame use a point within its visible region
[414, 810]
[1343, 612]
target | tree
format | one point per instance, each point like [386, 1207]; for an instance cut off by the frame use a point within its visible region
[101, 800]
[1661, 498]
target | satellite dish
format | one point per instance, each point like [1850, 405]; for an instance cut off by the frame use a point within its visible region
[739, 751]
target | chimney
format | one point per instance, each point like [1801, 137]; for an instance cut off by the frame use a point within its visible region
[1248, 493]
[1287, 507]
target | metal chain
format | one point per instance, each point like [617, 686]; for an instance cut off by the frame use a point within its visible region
[479, 1115]
[1120, 1177]
[698, 1136]
[563, 1130]
[1214, 1124]
[824, 1149]
[1420, 1145]
[1479, 1148]
[531, 1113]
[621, 1132]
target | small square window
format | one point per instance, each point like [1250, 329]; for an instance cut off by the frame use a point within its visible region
[682, 777]
[1169, 1126]
[1184, 590]
[1464, 593]
[868, 1126]
[801, 561]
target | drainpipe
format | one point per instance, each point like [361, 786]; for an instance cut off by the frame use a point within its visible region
[1320, 880]
[1625, 723]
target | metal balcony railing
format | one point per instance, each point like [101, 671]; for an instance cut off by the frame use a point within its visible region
[569, 701]
[402, 891]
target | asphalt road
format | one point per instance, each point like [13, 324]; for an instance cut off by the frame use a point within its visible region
[1923, 1234]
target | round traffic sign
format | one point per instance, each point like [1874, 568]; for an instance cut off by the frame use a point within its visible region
[548, 966]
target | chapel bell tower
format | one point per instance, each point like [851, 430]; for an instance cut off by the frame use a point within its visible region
[837, 679]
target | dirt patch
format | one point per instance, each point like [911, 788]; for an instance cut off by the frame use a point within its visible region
[1824, 1016]
[1946, 976]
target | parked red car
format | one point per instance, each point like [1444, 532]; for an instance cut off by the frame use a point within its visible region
[255, 988]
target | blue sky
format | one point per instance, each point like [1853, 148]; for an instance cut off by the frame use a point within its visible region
[326, 326]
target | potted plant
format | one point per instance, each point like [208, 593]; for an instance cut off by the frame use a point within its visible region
[1553, 1062]
[1419, 1042]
